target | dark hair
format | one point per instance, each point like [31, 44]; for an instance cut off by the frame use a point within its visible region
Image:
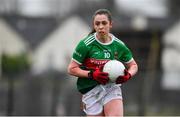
[100, 12]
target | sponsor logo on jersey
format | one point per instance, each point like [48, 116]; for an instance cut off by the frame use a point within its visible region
[77, 53]
[94, 63]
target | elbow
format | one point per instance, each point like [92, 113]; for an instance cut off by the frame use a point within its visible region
[73, 68]
[69, 71]
[137, 68]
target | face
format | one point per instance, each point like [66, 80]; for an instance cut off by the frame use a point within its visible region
[102, 25]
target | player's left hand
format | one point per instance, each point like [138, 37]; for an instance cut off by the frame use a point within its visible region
[123, 79]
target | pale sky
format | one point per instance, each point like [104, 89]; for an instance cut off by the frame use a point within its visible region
[151, 8]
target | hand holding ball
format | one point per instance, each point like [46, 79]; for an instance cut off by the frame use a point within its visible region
[115, 69]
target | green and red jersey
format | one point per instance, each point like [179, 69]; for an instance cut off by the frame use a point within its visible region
[91, 53]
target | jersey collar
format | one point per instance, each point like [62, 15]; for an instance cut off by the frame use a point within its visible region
[112, 37]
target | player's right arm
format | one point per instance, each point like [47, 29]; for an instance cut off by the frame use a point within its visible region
[78, 57]
[74, 69]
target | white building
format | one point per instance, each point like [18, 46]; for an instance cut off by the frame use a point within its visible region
[56, 50]
[171, 57]
[10, 42]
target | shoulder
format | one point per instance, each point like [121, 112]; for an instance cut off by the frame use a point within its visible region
[88, 39]
[85, 42]
[118, 41]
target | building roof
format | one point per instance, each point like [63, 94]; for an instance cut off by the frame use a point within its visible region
[33, 30]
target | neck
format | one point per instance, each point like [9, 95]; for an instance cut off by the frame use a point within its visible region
[104, 38]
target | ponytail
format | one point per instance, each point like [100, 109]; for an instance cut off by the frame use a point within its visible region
[92, 31]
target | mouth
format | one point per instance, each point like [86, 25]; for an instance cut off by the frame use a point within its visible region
[101, 32]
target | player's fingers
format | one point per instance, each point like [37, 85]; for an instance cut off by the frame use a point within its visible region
[118, 79]
[104, 74]
[125, 71]
[101, 67]
[104, 82]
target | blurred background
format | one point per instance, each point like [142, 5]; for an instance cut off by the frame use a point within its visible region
[37, 38]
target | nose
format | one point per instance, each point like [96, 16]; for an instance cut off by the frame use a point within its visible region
[101, 26]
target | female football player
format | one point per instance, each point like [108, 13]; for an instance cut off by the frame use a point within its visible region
[100, 97]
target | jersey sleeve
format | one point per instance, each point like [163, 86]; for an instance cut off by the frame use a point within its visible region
[126, 55]
[80, 52]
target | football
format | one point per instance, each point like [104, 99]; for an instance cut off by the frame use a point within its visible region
[114, 68]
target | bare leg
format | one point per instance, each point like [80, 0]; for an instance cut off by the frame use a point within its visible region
[114, 108]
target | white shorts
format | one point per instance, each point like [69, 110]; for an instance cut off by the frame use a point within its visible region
[95, 99]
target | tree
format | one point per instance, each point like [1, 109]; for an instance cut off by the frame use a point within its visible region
[11, 67]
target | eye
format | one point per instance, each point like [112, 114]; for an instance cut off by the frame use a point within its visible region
[97, 23]
[104, 22]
